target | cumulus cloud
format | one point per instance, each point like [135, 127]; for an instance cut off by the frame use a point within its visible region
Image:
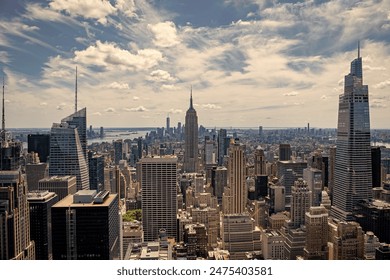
[61, 106]
[116, 85]
[110, 110]
[291, 93]
[210, 106]
[372, 68]
[43, 104]
[383, 84]
[106, 54]
[135, 98]
[175, 111]
[127, 7]
[90, 9]
[160, 76]
[97, 114]
[165, 34]
[136, 109]
[170, 87]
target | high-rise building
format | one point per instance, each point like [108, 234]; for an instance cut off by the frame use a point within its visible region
[67, 156]
[239, 235]
[79, 121]
[260, 163]
[376, 166]
[301, 202]
[218, 181]
[346, 241]
[313, 177]
[39, 143]
[40, 203]
[316, 222]
[237, 178]
[62, 186]
[222, 149]
[284, 152]
[353, 171]
[34, 173]
[96, 171]
[118, 150]
[85, 226]
[191, 140]
[159, 196]
[168, 127]
[15, 241]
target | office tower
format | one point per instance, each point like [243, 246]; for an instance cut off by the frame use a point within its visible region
[237, 178]
[40, 203]
[346, 241]
[300, 203]
[168, 127]
[222, 149]
[96, 171]
[191, 140]
[101, 132]
[39, 143]
[374, 215]
[140, 147]
[313, 178]
[316, 222]
[284, 152]
[62, 186]
[288, 172]
[276, 199]
[261, 186]
[67, 156]
[210, 218]
[239, 235]
[218, 181]
[118, 150]
[208, 152]
[259, 212]
[260, 163]
[195, 238]
[85, 226]
[79, 121]
[376, 166]
[260, 131]
[15, 241]
[272, 245]
[159, 196]
[34, 173]
[353, 172]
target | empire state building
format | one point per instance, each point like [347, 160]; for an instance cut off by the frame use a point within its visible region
[191, 140]
[353, 153]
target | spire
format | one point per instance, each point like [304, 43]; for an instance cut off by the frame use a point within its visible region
[191, 106]
[359, 49]
[75, 97]
[3, 118]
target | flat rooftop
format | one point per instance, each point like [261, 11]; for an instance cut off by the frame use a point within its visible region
[68, 202]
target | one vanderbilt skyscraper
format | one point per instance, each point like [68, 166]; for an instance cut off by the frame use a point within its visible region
[353, 153]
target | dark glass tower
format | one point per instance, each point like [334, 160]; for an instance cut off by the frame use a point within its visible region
[191, 140]
[353, 180]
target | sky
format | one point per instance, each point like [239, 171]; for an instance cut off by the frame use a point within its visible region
[250, 63]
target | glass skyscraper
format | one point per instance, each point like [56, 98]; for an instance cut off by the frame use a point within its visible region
[352, 178]
[67, 156]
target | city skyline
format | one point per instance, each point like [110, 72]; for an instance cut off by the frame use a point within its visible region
[250, 63]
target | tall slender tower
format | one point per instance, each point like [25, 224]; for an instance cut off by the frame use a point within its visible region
[191, 139]
[352, 178]
[236, 177]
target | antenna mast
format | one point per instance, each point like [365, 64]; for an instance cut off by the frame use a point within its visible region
[3, 118]
[75, 97]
